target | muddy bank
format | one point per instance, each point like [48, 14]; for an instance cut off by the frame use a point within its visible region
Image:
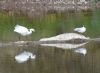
[38, 7]
[98, 4]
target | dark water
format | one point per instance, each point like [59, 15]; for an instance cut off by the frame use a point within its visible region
[50, 59]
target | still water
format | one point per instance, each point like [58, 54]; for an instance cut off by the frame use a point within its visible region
[50, 59]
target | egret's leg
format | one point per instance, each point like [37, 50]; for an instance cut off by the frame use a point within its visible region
[26, 38]
[19, 38]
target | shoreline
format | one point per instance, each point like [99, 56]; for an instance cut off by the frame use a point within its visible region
[32, 8]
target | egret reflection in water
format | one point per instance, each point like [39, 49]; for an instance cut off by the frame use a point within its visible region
[81, 51]
[24, 56]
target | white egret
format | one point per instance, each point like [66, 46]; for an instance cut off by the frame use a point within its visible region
[80, 30]
[81, 51]
[24, 56]
[23, 30]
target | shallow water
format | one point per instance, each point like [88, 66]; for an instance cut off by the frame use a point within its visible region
[51, 59]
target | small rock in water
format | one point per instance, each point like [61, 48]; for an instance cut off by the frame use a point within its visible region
[65, 36]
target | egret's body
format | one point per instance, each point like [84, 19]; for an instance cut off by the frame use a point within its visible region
[24, 56]
[23, 30]
[81, 51]
[80, 30]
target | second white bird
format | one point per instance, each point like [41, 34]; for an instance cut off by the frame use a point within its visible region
[80, 30]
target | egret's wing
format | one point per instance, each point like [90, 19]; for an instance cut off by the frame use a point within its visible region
[17, 25]
[81, 30]
[77, 29]
[20, 29]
